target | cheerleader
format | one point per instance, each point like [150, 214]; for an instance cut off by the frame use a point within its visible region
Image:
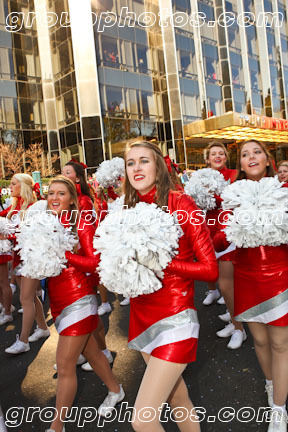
[75, 171]
[164, 325]
[23, 195]
[261, 294]
[216, 156]
[283, 172]
[74, 307]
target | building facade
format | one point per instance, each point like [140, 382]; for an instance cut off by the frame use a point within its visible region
[98, 73]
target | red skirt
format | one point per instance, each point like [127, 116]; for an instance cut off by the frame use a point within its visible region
[73, 303]
[4, 259]
[261, 285]
[164, 324]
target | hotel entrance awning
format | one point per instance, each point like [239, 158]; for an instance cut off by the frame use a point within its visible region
[238, 127]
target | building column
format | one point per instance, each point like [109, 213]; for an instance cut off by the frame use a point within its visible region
[284, 96]
[173, 84]
[49, 97]
[264, 61]
[87, 82]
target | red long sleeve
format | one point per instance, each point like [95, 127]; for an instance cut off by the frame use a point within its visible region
[196, 235]
[85, 261]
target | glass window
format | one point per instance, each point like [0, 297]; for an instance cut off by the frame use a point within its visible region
[254, 67]
[115, 103]
[110, 55]
[271, 45]
[284, 44]
[190, 105]
[252, 40]
[148, 105]
[93, 152]
[257, 100]
[128, 55]
[142, 55]
[275, 80]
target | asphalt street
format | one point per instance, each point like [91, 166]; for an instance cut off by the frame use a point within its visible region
[222, 382]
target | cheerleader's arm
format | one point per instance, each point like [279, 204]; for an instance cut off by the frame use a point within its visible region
[206, 267]
[88, 262]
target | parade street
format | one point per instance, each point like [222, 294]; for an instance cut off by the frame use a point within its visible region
[222, 381]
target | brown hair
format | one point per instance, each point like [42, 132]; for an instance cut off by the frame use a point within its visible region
[73, 193]
[80, 173]
[163, 180]
[270, 172]
[214, 144]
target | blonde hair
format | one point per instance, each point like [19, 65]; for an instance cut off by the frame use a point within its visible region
[163, 180]
[214, 144]
[74, 197]
[27, 194]
[283, 163]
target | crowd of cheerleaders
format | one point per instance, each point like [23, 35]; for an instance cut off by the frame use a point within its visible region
[163, 325]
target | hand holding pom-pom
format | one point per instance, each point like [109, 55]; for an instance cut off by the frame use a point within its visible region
[203, 185]
[136, 245]
[42, 243]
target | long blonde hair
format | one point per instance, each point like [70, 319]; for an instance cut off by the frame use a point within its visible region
[163, 180]
[28, 196]
[74, 197]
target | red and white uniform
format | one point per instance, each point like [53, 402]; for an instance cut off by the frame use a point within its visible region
[260, 282]
[261, 285]
[72, 299]
[164, 323]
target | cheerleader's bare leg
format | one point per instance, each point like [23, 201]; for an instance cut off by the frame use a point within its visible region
[100, 364]
[5, 288]
[226, 284]
[39, 314]
[278, 337]
[262, 347]
[99, 335]
[68, 350]
[161, 383]
[28, 290]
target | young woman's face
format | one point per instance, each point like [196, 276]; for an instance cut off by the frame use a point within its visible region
[217, 158]
[69, 172]
[141, 169]
[59, 198]
[15, 187]
[253, 161]
[283, 173]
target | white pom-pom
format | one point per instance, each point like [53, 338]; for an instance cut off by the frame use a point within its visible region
[110, 171]
[38, 207]
[42, 242]
[5, 247]
[116, 205]
[6, 229]
[259, 216]
[136, 245]
[203, 185]
[7, 203]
